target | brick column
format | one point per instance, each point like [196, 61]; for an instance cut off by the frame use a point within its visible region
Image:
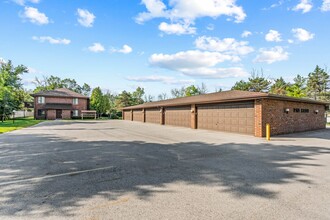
[122, 115]
[143, 115]
[131, 114]
[258, 126]
[193, 117]
[162, 115]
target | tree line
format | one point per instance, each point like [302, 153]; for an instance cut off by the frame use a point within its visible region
[316, 85]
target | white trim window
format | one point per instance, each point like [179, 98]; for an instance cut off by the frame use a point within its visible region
[41, 100]
[75, 101]
[75, 113]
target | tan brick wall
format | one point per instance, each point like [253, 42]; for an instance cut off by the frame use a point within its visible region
[258, 118]
[272, 112]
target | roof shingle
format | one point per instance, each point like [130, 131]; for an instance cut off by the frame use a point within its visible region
[226, 96]
[62, 92]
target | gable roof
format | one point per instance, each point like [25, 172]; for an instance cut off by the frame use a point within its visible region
[226, 96]
[63, 92]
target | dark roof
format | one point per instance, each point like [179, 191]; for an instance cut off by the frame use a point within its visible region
[63, 106]
[226, 96]
[60, 93]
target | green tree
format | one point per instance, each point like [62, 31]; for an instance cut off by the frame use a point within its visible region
[279, 87]
[298, 88]
[192, 90]
[137, 96]
[11, 91]
[124, 99]
[54, 82]
[111, 105]
[241, 85]
[256, 83]
[318, 84]
[98, 101]
[177, 93]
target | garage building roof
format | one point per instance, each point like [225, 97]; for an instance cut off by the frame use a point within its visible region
[217, 97]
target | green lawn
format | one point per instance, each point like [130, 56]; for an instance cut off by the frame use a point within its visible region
[20, 123]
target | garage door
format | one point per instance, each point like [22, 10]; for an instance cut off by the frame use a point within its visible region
[153, 115]
[178, 116]
[138, 115]
[230, 117]
[128, 115]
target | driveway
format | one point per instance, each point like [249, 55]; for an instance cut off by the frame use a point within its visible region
[130, 170]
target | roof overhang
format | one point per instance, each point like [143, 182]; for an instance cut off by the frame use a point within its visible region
[54, 106]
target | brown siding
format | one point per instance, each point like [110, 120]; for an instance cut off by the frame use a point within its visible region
[178, 116]
[128, 115]
[229, 117]
[51, 114]
[282, 123]
[153, 115]
[138, 115]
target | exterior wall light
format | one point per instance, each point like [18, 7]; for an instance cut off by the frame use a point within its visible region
[316, 111]
[192, 110]
[286, 111]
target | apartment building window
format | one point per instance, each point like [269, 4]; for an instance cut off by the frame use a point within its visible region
[75, 113]
[41, 100]
[41, 112]
[75, 101]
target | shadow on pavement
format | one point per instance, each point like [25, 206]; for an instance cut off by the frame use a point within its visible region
[55, 175]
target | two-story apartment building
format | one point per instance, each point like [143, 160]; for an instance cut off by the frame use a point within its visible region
[59, 104]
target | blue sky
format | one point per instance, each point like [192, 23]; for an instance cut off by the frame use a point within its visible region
[160, 45]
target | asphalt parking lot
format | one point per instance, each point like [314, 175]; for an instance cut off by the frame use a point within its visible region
[130, 170]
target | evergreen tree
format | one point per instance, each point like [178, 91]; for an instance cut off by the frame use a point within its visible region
[279, 87]
[318, 84]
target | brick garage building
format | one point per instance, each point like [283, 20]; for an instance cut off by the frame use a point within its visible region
[234, 111]
[59, 104]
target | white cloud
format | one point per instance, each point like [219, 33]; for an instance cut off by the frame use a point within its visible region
[162, 79]
[33, 70]
[302, 35]
[2, 60]
[227, 45]
[177, 29]
[325, 5]
[246, 34]
[52, 40]
[189, 59]
[22, 2]
[304, 6]
[125, 50]
[197, 63]
[85, 18]
[273, 36]
[96, 48]
[183, 11]
[275, 5]
[272, 55]
[34, 16]
[216, 73]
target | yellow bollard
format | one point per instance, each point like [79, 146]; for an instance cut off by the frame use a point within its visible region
[268, 132]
